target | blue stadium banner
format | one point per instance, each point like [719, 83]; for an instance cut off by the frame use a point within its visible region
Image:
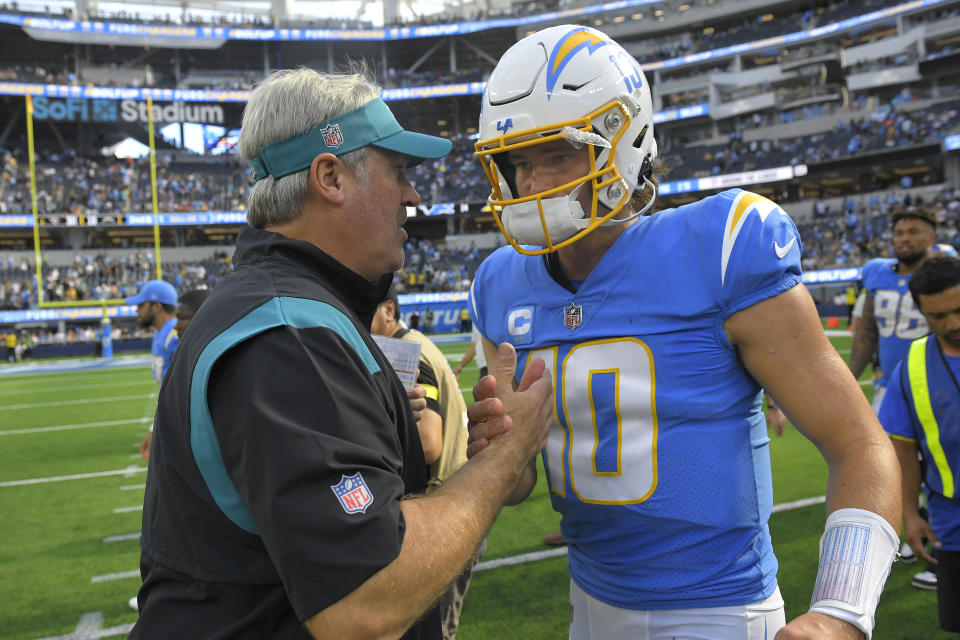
[182, 32]
[16, 221]
[97, 104]
[432, 298]
[146, 219]
[66, 313]
[730, 180]
[175, 219]
[830, 276]
[445, 308]
[951, 143]
[682, 113]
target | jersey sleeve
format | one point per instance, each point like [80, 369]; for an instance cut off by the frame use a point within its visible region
[480, 291]
[894, 412]
[428, 379]
[760, 250]
[868, 276]
[288, 434]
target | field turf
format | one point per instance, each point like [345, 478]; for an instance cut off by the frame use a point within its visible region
[71, 491]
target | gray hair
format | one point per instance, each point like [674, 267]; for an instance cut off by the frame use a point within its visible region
[288, 103]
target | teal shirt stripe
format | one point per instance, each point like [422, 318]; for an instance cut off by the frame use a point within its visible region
[300, 313]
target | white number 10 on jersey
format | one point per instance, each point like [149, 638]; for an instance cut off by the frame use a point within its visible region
[607, 391]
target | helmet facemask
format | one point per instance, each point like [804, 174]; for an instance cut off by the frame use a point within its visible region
[574, 84]
[558, 216]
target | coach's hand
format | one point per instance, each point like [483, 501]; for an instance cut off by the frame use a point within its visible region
[818, 626]
[418, 400]
[486, 416]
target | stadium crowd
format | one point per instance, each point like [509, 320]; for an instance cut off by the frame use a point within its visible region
[835, 237]
[97, 277]
[68, 184]
[93, 276]
[653, 49]
[886, 126]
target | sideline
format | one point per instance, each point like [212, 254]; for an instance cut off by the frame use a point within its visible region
[129, 471]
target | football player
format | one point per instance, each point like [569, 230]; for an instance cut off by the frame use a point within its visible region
[891, 320]
[660, 333]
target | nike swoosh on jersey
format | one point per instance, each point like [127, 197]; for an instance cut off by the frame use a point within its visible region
[782, 251]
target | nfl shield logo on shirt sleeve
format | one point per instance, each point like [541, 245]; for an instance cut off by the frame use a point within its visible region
[331, 135]
[353, 493]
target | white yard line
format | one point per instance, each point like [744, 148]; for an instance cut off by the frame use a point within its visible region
[138, 507]
[34, 389]
[129, 471]
[68, 427]
[133, 487]
[520, 559]
[119, 630]
[116, 576]
[61, 403]
[122, 538]
[798, 504]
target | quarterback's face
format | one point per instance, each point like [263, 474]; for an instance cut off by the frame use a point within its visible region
[548, 166]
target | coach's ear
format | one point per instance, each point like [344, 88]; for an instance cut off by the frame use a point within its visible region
[326, 178]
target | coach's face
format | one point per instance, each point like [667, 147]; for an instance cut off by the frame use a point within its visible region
[378, 208]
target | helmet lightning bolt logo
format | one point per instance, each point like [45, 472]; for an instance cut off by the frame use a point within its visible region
[568, 46]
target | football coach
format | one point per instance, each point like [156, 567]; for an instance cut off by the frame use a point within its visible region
[285, 492]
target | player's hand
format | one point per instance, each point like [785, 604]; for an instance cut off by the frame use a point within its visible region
[818, 626]
[776, 420]
[529, 406]
[418, 400]
[145, 446]
[915, 529]
[485, 419]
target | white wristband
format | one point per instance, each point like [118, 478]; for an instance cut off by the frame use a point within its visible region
[857, 551]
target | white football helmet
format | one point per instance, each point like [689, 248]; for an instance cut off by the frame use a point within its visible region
[575, 83]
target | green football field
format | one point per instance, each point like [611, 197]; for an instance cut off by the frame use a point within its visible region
[71, 491]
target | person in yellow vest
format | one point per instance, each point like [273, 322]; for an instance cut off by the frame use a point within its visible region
[850, 296]
[922, 411]
[443, 432]
[10, 341]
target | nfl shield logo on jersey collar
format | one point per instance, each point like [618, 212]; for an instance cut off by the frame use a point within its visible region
[573, 316]
[353, 493]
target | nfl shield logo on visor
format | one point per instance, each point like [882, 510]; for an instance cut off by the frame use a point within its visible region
[332, 136]
[573, 316]
[353, 493]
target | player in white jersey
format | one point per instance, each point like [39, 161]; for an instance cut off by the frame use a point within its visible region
[660, 333]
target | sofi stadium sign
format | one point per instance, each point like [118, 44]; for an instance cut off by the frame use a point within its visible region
[82, 110]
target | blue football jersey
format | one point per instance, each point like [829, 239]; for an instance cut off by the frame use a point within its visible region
[899, 322]
[165, 342]
[658, 459]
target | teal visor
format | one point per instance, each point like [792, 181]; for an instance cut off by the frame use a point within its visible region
[373, 123]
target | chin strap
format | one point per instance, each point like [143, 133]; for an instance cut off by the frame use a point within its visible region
[647, 182]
